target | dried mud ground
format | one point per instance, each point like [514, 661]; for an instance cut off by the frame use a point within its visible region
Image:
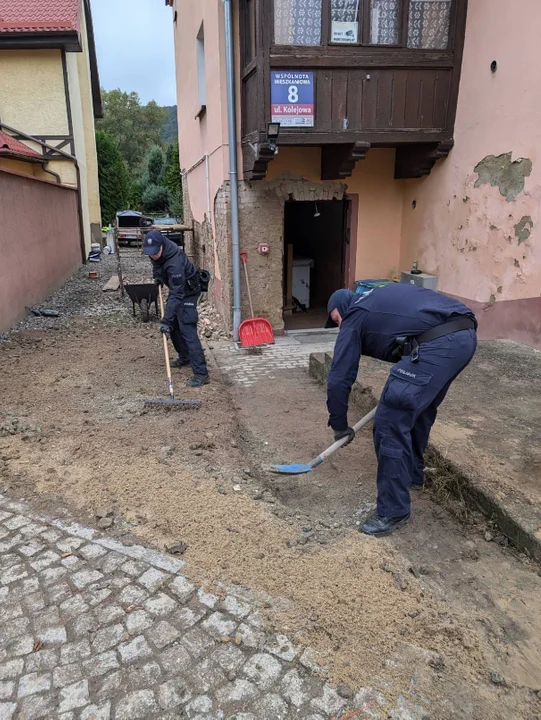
[435, 612]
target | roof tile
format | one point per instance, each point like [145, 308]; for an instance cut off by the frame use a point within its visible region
[39, 15]
[10, 146]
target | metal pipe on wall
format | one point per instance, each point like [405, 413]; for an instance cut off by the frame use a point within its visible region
[207, 178]
[233, 167]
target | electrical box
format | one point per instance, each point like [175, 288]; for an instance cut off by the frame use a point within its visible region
[422, 280]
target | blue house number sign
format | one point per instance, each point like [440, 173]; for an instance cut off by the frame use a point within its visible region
[292, 98]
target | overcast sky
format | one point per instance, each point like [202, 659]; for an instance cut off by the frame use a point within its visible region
[134, 42]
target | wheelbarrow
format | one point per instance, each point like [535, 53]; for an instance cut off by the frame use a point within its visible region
[144, 296]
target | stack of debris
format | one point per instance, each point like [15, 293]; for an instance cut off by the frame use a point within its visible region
[210, 322]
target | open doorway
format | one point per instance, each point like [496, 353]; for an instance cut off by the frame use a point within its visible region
[315, 260]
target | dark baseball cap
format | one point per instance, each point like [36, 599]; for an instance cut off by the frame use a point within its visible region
[153, 242]
[339, 300]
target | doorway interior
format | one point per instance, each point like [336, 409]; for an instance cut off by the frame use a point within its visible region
[315, 260]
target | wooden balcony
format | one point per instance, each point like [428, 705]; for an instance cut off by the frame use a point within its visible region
[365, 96]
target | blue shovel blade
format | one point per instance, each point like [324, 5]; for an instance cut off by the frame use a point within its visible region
[297, 469]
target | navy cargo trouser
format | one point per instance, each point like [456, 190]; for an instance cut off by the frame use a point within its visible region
[185, 338]
[407, 411]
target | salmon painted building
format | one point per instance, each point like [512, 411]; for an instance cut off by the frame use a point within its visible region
[407, 137]
[49, 190]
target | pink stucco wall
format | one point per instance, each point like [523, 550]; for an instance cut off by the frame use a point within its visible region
[203, 141]
[39, 243]
[206, 135]
[466, 234]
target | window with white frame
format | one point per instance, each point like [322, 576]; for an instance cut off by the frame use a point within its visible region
[201, 73]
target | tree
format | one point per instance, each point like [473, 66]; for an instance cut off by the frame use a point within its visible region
[113, 175]
[135, 127]
[172, 180]
[170, 129]
[135, 195]
[155, 195]
[155, 166]
[155, 199]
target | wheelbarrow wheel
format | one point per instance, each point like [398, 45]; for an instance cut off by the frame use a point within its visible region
[145, 311]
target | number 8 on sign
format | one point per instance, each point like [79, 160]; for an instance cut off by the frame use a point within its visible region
[293, 95]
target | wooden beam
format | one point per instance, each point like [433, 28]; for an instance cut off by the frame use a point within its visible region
[256, 158]
[176, 228]
[360, 58]
[288, 310]
[415, 161]
[338, 161]
[388, 138]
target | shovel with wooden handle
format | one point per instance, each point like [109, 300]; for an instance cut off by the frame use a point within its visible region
[302, 468]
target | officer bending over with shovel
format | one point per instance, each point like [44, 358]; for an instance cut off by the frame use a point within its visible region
[431, 338]
[171, 267]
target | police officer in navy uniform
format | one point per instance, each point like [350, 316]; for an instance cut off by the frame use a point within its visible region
[430, 338]
[172, 267]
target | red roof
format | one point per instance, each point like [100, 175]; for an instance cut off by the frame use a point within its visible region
[10, 146]
[39, 15]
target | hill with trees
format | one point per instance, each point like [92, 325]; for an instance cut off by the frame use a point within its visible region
[137, 156]
[170, 130]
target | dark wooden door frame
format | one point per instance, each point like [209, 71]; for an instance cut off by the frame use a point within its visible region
[349, 246]
[350, 240]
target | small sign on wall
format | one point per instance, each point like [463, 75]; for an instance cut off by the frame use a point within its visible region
[345, 32]
[292, 98]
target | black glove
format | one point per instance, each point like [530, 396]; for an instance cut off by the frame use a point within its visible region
[158, 282]
[165, 328]
[348, 433]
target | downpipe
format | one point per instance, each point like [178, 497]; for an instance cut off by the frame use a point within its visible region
[233, 166]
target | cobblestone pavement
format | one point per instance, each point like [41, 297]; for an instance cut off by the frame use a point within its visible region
[288, 354]
[91, 629]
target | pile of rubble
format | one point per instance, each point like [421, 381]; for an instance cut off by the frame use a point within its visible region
[211, 325]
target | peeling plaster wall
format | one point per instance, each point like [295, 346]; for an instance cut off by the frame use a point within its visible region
[476, 219]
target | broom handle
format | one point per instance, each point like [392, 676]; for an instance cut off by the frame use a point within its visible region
[244, 258]
[166, 350]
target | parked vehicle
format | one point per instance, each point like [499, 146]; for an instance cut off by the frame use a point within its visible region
[169, 226]
[129, 224]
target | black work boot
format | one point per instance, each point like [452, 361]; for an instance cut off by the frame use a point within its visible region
[178, 363]
[198, 381]
[418, 486]
[379, 526]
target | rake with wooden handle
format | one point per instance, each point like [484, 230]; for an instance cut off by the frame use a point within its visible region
[171, 402]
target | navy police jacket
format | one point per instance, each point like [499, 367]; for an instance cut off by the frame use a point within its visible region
[370, 325]
[175, 270]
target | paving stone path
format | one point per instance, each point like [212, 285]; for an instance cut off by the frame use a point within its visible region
[92, 629]
[288, 354]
